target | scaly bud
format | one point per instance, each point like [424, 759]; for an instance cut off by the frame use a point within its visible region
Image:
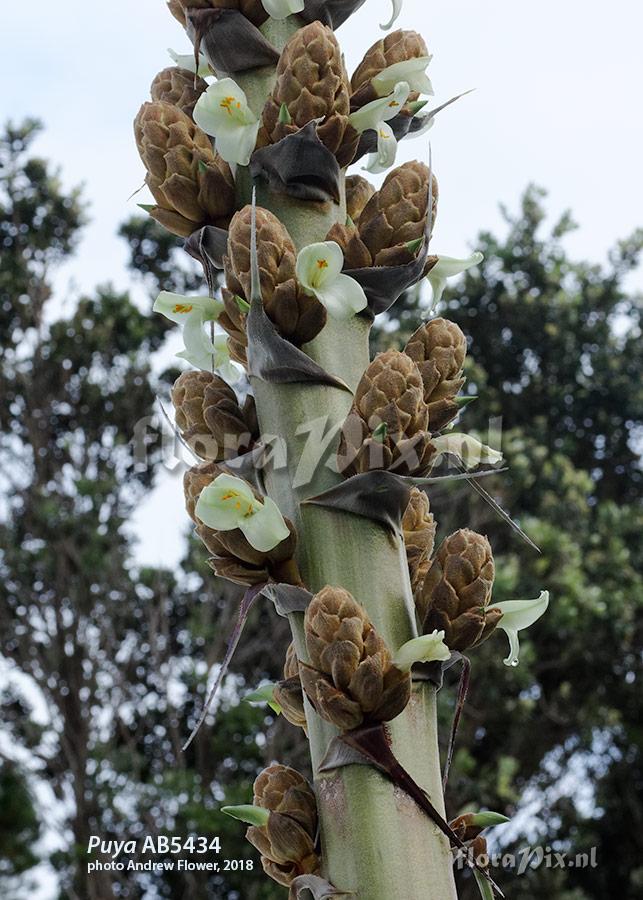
[456, 592]
[389, 400]
[358, 192]
[351, 679]
[438, 348]
[233, 321]
[298, 316]
[287, 841]
[289, 692]
[253, 10]
[210, 418]
[312, 83]
[233, 557]
[178, 87]
[397, 47]
[418, 528]
[191, 184]
[396, 215]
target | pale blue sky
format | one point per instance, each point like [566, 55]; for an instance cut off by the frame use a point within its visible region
[557, 89]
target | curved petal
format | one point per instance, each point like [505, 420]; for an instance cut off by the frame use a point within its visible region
[518, 615]
[372, 114]
[226, 503]
[223, 112]
[319, 265]
[514, 648]
[178, 308]
[281, 9]
[343, 298]
[427, 648]
[386, 150]
[236, 144]
[397, 9]
[412, 71]
[187, 61]
[265, 528]
[199, 350]
[448, 267]
[468, 449]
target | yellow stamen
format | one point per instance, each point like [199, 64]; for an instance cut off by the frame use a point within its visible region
[322, 263]
[227, 102]
[183, 308]
[230, 495]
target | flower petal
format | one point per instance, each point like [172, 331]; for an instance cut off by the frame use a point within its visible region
[187, 61]
[265, 528]
[448, 267]
[319, 265]
[178, 308]
[223, 112]
[397, 9]
[343, 298]
[427, 648]
[467, 449]
[370, 116]
[386, 150]
[281, 9]
[518, 615]
[226, 503]
[413, 71]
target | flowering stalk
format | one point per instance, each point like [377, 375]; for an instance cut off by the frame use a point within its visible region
[252, 168]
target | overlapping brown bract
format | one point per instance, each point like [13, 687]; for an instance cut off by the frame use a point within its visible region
[287, 842]
[253, 10]
[438, 348]
[179, 87]
[191, 184]
[456, 593]
[351, 679]
[312, 84]
[398, 46]
[211, 419]
[388, 426]
[298, 317]
[232, 556]
[418, 529]
[289, 692]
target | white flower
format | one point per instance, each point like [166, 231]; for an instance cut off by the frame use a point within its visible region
[370, 116]
[427, 648]
[386, 150]
[412, 71]
[319, 272]
[223, 112]
[448, 267]
[193, 314]
[397, 9]
[230, 503]
[467, 449]
[281, 9]
[518, 615]
[187, 61]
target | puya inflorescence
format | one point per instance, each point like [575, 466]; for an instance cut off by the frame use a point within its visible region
[313, 463]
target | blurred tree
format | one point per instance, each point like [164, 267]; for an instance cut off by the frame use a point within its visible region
[556, 352]
[118, 656]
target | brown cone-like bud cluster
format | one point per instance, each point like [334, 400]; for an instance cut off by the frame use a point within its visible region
[178, 87]
[210, 418]
[391, 223]
[289, 693]
[312, 83]
[387, 427]
[191, 184]
[253, 10]
[232, 556]
[358, 192]
[396, 47]
[351, 679]
[438, 348]
[456, 592]
[418, 528]
[298, 316]
[287, 842]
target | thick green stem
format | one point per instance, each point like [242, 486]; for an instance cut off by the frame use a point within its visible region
[376, 842]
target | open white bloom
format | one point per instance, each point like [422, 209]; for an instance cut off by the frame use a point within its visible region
[384, 158]
[223, 112]
[449, 267]
[397, 9]
[319, 272]
[230, 503]
[467, 449]
[187, 61]
[370, 116]
[193, 315]
[425, 649]
[518, 615]
[281, 9]
[412, 71]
